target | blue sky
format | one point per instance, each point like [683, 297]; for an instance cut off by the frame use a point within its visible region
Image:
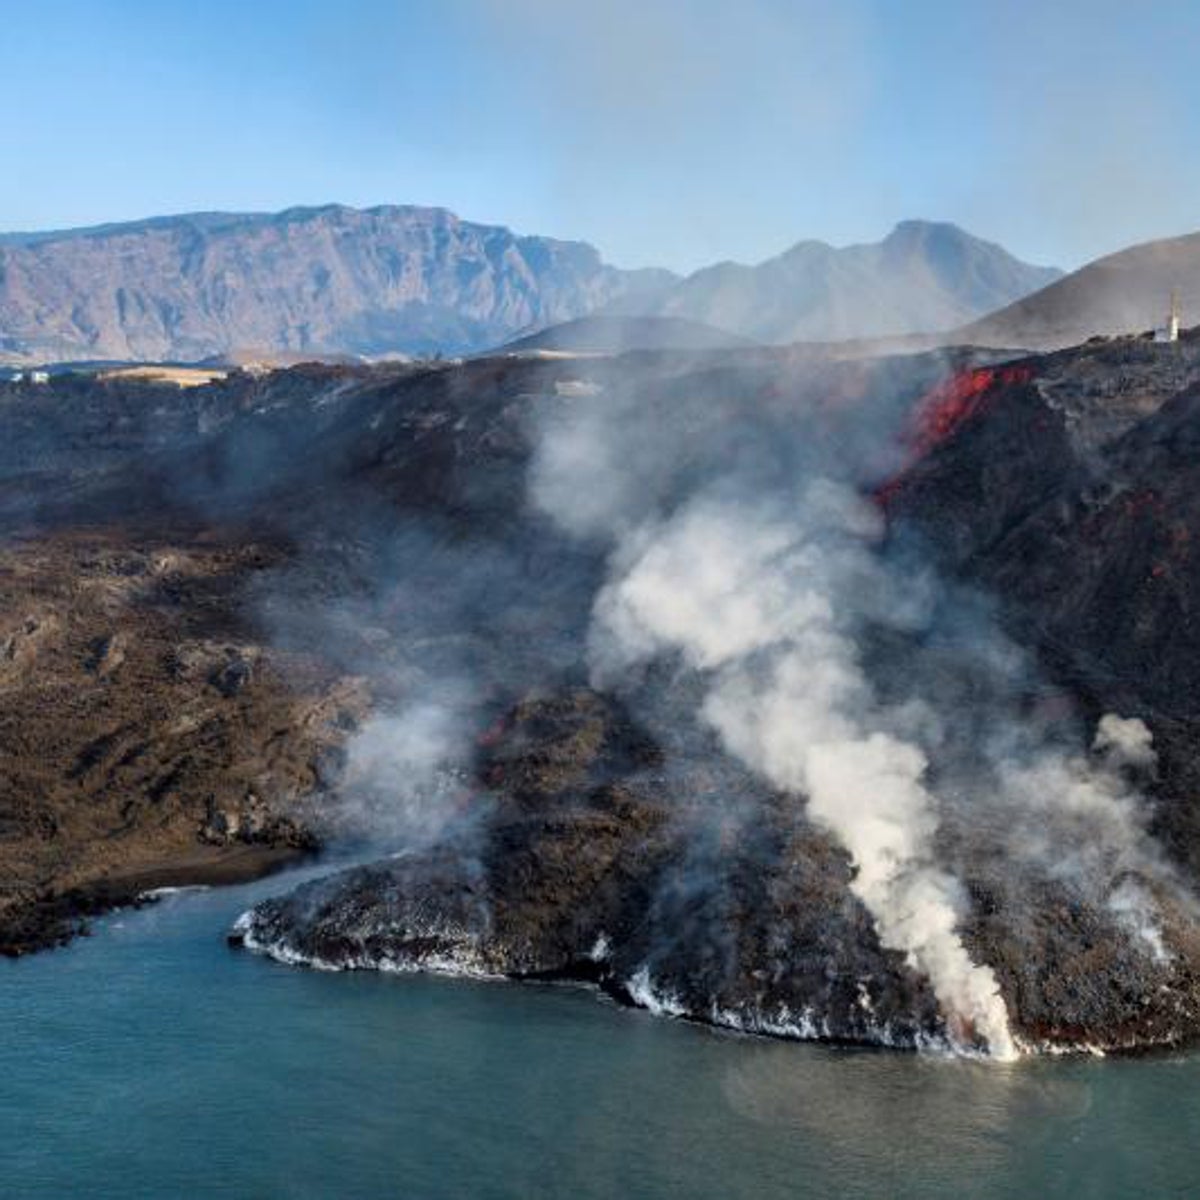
[673, 132]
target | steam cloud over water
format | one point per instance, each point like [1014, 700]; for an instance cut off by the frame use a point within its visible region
[837, 666]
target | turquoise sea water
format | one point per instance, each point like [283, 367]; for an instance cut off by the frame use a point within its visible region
[152, 1061]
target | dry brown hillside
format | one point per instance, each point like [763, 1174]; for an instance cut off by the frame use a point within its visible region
[1127, 292]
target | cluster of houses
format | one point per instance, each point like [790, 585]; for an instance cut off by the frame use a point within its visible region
[27, 377]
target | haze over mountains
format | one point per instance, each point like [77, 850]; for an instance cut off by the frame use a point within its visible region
[608, 334]
[418, 281]
[923, 277]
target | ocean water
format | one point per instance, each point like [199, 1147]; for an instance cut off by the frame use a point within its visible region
[152, 1061]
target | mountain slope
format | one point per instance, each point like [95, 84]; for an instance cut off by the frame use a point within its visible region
[389, 279]
[619, 335]
[924, 276]
[1127, 292]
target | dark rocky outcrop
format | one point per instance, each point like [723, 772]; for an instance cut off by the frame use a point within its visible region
[695, 893]
[594, 861]
[1073, 496]
[273, 558]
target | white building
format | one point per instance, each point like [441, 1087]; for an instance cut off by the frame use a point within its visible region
[1170, 331]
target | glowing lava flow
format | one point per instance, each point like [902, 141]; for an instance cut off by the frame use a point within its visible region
[943, 410]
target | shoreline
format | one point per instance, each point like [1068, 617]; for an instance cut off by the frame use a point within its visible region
[56, 919]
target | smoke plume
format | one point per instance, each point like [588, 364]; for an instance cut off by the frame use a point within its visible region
[405, 779]
[756, 599]
[837, 665]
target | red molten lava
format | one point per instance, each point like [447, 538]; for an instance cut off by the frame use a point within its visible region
[944, 409]
[947, 405]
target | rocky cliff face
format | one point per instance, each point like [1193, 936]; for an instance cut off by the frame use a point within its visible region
[376, 281]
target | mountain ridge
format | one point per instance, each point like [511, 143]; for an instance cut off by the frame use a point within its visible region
[620, 335]
[923, 277]
[391, 278]
[420, 280]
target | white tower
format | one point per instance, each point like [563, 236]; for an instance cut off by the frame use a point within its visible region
[1170, 331]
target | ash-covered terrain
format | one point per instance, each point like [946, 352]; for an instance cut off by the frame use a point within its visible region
[847, 700]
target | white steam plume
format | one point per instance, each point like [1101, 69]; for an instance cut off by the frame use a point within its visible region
[755, 599]
[844, 671]
[404, 776]
[1125, 742]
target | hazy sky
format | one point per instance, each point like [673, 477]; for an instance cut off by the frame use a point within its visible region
[671, 132]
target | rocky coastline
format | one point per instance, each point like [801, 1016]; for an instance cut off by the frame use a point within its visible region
[219, 591]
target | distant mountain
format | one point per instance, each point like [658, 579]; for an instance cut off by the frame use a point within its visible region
[923, 277]
[396, 280]
[619, 335]
[1127, 292]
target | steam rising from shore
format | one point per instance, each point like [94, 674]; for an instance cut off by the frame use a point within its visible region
[771, 581]
[754, 597]
[404, 776]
